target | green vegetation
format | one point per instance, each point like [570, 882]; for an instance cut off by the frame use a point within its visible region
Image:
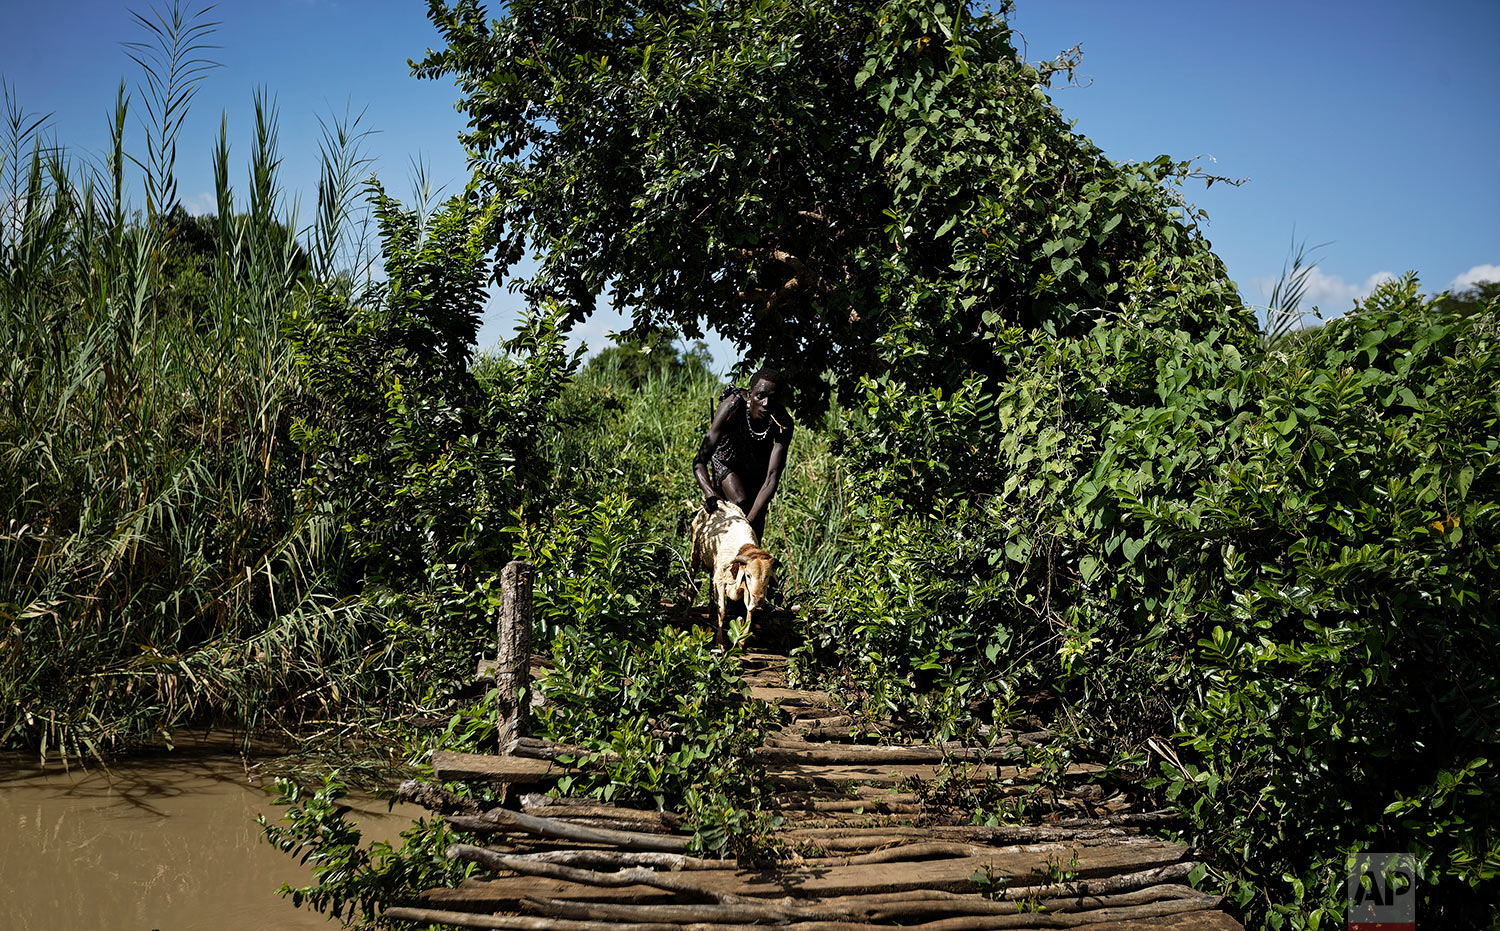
[1048, 465]
[1263, 574]
[846, 189]
[154, 562]
[239, 477]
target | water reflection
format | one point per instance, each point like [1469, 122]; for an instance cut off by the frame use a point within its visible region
[164, 842]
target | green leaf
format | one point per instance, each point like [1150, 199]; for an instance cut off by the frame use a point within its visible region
[1090, 567]
[1465, 479]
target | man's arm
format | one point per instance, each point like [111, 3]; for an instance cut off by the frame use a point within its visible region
[710, 443]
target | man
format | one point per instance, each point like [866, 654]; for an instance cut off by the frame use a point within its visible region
[745, 450]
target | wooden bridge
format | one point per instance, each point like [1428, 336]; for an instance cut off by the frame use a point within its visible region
[866, 849]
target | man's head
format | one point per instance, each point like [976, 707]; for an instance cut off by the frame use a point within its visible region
[765, 389]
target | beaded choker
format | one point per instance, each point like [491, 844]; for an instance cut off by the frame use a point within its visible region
[750, 425]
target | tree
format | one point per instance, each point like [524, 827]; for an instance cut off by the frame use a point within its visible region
[837, 185]
[1473, 299]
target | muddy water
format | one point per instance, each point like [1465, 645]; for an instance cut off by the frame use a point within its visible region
[167, 842]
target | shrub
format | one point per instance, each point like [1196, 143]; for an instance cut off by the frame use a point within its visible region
[1273, 565]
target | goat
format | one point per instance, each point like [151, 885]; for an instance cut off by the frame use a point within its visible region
[724, 543]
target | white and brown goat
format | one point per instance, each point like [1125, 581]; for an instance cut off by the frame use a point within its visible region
[724, 543]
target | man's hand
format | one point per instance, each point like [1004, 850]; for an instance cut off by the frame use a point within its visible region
[710, 503]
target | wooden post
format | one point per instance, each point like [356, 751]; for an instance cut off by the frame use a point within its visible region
[513, 661]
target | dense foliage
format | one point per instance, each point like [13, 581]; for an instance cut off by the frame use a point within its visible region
[245, 488]
[843, 188]
[1269, 573]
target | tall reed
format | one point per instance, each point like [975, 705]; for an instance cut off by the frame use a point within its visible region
[156, 567]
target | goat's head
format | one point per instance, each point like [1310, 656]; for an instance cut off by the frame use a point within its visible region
[753, 569]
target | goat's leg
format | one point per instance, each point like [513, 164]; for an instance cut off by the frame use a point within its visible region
[720, 640]
[713, 608]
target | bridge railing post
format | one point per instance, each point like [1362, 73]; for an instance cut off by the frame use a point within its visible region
[513, 659]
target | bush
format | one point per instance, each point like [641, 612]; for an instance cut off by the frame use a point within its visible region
[670, 721]
[1273, 565]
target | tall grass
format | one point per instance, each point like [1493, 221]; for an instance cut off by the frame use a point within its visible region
[156, 567]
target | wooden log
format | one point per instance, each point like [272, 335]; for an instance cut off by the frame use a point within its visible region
[539, 923]
[623, 859]
[1188, 921]
[1010, 905]
[1095, 865]
[804, 774]
[498, 820]
[1125, 913]
[434, 798]
[785, 751]
[855, 838]
[487, 767]
[854, 791]
[846, 729]
[754, 658]
[513, 657]
[540, 663]
[793, 697]
[537, 749]
[844, 910]
[1137, 817]
[1104, 885]
[489, 893]
[673, 913]
[526, 771]
[901, 853]
[588, 809]
[630, 876]
[830, 721]
[886, 803]
[610, 822]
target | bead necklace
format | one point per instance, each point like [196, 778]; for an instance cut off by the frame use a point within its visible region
[749, 425]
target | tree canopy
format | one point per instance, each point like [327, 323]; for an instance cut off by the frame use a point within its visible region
[839, 186]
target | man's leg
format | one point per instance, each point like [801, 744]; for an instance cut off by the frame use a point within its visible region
[734, 490]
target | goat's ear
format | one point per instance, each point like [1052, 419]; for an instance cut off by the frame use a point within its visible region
[738, 564]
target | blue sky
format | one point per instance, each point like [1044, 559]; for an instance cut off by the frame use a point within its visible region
[1370, 126]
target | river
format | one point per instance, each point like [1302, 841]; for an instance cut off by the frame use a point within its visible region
[166, 841]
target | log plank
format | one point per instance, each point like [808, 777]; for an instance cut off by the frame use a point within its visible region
[780, 696]
[502, 820]
[488, 767]
[950, 875]
[787, 751]
[1180, 915]
[802, 774]
[527, 771]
